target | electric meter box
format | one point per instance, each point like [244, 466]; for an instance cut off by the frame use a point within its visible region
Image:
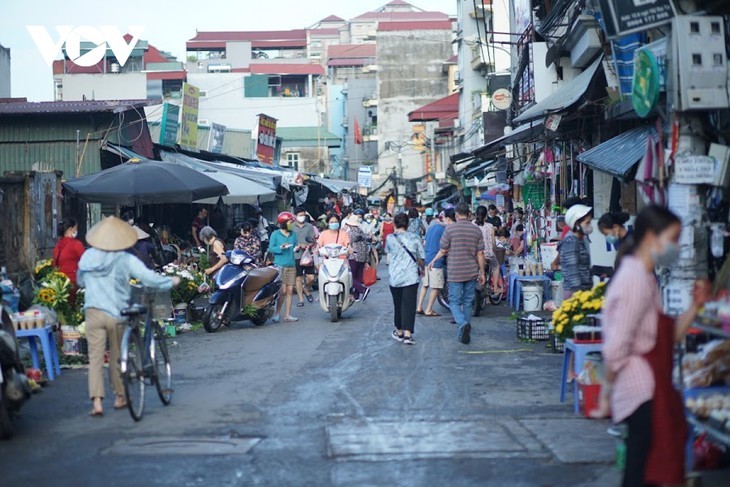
[701, 62]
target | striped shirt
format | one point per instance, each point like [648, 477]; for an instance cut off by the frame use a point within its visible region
[463, 241]
[630, 315]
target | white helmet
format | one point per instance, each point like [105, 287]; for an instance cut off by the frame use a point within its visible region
[575, 213]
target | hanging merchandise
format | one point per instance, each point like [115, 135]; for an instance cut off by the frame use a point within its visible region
[648, 175]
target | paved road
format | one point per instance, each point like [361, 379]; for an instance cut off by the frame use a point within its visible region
[316, 403]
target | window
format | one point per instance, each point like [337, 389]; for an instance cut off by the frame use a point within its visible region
[292, 160]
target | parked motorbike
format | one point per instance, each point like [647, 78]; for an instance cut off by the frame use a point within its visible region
[241, 293]
[14, 388]
[335, 280]
[483, 295]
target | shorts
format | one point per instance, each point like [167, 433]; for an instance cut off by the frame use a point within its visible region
[304, 271]
[289, 275]
[434, 278]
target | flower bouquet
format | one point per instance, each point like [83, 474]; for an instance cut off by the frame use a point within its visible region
[576, 310]
[54, 293]
[42, 269]
[190, 281]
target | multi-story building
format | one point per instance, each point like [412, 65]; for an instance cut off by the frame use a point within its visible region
[148, 74]
[4, 72]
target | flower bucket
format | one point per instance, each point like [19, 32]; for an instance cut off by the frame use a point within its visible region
[532, 298]
[71, 345]
[180, 313]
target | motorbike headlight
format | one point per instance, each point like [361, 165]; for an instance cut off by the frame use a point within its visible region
[237, 259]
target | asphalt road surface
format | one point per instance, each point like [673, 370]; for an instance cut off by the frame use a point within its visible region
[316, 403]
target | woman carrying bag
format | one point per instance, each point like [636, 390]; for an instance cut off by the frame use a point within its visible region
[405, 259]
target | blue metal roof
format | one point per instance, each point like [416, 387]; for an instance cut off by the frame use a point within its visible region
[617, 156]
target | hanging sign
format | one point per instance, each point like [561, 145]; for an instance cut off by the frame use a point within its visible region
[694, 170]
[647, 82]
[266, 141]
[552, 122]
[628, 16]
[365, 177]
[189, 125]
[215, 141]
[169, 124]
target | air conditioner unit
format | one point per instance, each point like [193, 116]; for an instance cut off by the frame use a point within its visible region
[203, 121]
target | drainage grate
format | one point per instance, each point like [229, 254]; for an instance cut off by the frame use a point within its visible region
[183, 445]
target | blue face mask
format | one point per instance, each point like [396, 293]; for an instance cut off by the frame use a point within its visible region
[612, 239]
[334, 226]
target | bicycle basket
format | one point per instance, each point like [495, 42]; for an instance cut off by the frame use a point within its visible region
[155, 300]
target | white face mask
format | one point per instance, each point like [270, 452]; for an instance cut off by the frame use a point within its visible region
[301, 219]
[586, 229]
[667, 256]
[73, 235]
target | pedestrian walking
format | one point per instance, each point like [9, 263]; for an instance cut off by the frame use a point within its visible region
[282, 244]
[638, 349]
[434, 279]
[613, 227]
[305, 234]
[68, 249]
[387, 227]
[415, 224]
[575, 259]
[405, 259]
[490, 244]
[463, 243]
[105, 271]
[359, 256]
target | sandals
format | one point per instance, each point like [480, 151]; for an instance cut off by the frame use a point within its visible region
[291, 319]
[432, 314]
[96, 413]
[420, 312]
[310, 298]
[300, 304]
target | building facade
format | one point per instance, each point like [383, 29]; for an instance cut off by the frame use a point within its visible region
[4, 72]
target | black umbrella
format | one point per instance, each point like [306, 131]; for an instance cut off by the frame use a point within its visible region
[145, 182]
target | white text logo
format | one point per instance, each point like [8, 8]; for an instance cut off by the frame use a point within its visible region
[71, 37]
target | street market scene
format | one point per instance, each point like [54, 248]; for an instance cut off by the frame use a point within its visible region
[427, 242]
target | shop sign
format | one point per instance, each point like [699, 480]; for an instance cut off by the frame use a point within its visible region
[215, 141]
[266, 140]
[552, 122]
[365, 177]
[189, 125]
[646, 84]
[694, 170]
[169, 124]
[628, 16]
[677, 297]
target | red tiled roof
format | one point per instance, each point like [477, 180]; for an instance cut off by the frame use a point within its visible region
[351, 51]
[401, 26]
[445, 108]
[324, 32]
[334, 63]
[332, 18]
[64, 107]
[166, 75]
[452, 60]
[282, 68]
[400, 16]
[258, 39]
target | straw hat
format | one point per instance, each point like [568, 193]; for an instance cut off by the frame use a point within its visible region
[353, 221]
[141, 234]
[112, 234]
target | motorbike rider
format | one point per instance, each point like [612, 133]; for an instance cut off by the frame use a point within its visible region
[282, 244]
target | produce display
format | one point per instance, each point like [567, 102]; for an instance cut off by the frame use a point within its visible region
[710, 366]
[716, 406]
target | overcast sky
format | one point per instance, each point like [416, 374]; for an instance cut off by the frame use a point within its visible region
[168, 24]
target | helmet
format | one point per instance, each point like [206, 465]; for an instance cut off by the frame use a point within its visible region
[575, 213]
[284, 217]
[429, 211]
[447, 206]
[360, 212]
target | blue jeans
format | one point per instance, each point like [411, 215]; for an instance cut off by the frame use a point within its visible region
[461, 299]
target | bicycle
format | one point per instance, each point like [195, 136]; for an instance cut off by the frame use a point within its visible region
[144, 359]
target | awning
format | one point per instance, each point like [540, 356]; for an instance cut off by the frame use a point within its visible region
[334, 185]
[619, 155]
[523, 133]
[566, 96]
[444, 108]
[241, 190]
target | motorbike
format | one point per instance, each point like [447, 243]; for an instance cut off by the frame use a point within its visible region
[335, 281]
[14, 387]
[242, 293]
[483, 295]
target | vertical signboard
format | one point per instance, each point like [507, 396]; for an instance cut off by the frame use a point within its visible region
[215, 141]
[266, 141]
[628, 16]
[169, 124]
[365, 177]
[189, 125]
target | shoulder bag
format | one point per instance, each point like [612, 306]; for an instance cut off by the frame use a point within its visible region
[419, 262]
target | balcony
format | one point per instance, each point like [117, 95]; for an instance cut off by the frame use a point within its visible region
[479, 61]
[370, 133]
[370, 102]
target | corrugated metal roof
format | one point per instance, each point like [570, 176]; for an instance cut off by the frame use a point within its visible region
[617, 156]
[564, 97]
[415, 25]
[291, 134]
[64, 107]
[522, 133]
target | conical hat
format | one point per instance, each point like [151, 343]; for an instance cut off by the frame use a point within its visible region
[111, 234]
[141, 234]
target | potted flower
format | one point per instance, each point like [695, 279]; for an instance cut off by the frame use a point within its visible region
[576, 310]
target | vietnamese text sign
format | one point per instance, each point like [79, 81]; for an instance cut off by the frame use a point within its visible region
[215, 141]
[266, 142]
[365, 177]
[694, 170]
[628, 16]
[189, 125]
[169, 124]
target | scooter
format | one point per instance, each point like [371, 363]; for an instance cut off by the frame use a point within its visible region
[335, 280]
[242, 294]
[14, 387]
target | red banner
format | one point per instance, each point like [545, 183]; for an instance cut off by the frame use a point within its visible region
[266, 143]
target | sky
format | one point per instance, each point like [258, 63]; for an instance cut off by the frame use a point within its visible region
[167, 25]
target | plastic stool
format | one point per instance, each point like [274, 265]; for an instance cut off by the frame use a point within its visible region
[579, 350]
[50, 354]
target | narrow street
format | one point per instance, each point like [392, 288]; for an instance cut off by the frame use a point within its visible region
[316, 403]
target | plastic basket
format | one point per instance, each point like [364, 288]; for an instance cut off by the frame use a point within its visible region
[557, 345]
[532, 329]
[155, 300]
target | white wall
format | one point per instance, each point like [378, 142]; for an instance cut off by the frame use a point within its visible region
[546, 78]
[109, 86]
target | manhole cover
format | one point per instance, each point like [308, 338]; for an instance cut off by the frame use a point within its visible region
[183, 445]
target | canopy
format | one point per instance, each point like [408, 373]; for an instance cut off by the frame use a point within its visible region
[144, 182]
[565, 96]
[241, 190]
[523, 133]
[617, 156]
[335, 185]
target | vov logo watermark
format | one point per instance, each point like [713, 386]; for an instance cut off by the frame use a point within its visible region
[70, 38]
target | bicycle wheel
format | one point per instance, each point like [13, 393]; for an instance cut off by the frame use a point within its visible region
[132, 369]
[163, 369]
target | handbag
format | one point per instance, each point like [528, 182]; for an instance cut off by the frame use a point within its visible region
[419, 262]
[307, 260]
[369, 275]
